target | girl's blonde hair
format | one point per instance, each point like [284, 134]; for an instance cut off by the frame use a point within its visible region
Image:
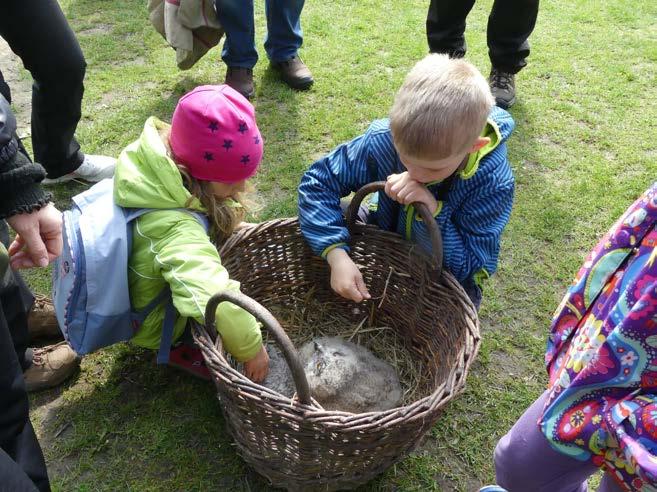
[225, 215]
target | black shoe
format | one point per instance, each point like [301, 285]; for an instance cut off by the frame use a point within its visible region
[294, 73]
[503, 86]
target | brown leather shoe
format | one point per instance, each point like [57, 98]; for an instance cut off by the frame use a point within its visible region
[241, 79]
[41, 320]
[294, 73]
[51, 366]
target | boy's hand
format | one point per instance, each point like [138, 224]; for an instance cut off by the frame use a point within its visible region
[405, 190]
[256, 369]
[346, 278]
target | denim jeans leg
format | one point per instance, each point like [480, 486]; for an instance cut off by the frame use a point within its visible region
[284, 35]
[236, 17]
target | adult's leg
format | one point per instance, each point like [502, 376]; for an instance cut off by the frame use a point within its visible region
[525, 461]
[509, 25]
[236, 17]
[22, 466]
[446, 25]
[284, 35]
[16, 299]
[37, 31]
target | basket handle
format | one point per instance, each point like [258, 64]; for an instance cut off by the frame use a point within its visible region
[269, 321]
[434, 230]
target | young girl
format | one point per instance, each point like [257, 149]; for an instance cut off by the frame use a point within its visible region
[200, 162]
[600, 408]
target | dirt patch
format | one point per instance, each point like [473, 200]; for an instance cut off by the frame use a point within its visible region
[20, 85]
[506, 365]
[456, 476]
[97, 29]
[129, 62]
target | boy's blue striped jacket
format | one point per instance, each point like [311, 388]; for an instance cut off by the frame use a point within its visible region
[471, 218]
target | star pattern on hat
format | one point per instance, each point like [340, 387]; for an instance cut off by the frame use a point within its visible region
[228, 144]
[213, 126]
[256, 140]
[243, 128]
[245, 159]
[208, 156]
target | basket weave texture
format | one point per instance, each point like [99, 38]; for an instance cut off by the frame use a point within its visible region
[300, 446]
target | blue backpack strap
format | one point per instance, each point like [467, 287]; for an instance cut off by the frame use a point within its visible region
[138, 318]
[167, 332]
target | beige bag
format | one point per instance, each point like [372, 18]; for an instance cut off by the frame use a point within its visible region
[191, 27]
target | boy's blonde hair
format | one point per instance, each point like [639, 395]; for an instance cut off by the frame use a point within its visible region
[225, 215]
[440, 109]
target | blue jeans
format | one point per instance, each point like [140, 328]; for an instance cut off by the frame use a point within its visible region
[284, 36]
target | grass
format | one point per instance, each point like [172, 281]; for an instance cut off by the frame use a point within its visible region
[581, 152]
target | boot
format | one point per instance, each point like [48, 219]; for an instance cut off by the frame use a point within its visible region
[294, 73]
[241, 79]
[41, 320]
[503, 87]
[189, 358]
[50, 367]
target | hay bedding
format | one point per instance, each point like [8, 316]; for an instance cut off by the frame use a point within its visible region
[307, 319]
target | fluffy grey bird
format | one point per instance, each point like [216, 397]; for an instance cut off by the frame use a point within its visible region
[341, 375]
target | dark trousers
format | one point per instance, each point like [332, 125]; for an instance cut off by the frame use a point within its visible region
[22, 466]
[37, 31]
[19, 300]
[509, 25]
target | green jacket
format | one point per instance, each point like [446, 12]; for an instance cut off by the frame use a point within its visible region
[172, 247]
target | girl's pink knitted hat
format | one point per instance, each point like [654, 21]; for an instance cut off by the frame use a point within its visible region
[214, 135]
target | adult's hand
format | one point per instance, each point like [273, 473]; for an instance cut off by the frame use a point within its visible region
[38, 238]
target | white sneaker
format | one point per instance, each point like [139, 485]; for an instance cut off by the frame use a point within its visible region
[93, 168]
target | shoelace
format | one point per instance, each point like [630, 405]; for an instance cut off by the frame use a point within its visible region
[39, 354]
[502, 79]
[41, 301]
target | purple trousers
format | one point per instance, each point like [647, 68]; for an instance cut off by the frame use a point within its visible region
[525, 461]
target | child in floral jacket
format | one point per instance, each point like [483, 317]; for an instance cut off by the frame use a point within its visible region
[600, 408]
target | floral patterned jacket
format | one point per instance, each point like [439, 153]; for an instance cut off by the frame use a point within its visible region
[602, 354]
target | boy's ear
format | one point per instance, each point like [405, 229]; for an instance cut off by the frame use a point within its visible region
[479, 144]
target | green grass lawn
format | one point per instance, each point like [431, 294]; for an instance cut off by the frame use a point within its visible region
[583, 149]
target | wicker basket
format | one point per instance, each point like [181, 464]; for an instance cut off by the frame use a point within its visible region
[295, 443]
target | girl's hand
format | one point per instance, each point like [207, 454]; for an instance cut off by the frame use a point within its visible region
[346, 279]
[256, 369]
[405, 190]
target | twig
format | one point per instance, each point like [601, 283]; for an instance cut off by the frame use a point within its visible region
[360, 325]
[62, 429]
[385, 289]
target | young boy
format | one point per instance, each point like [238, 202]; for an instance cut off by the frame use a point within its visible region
[444, 145]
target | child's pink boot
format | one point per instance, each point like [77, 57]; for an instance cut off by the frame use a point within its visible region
[190, 359]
